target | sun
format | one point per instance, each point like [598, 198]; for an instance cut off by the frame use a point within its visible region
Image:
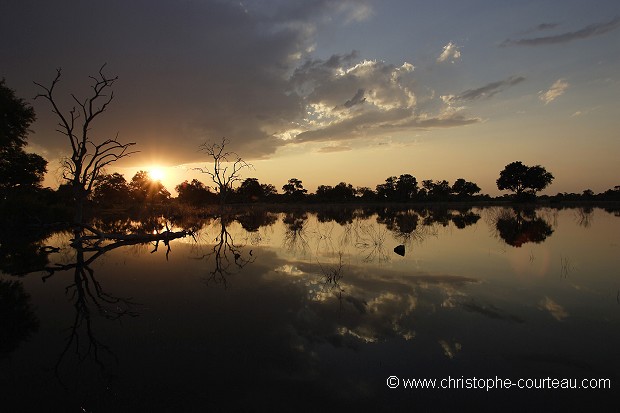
[156, 173]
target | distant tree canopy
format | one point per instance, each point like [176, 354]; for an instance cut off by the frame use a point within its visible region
[18, 169]
[251, 190]
[523, 179]
[342, 192]
[294, 189]
[111, 189]
[195, 193]
[463, 189]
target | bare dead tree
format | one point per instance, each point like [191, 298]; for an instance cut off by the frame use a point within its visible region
[227, 166]
[88, 157]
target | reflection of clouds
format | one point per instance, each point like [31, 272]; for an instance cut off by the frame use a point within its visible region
[556, 310]
[490, 311]
[370, 308]
[450, 350]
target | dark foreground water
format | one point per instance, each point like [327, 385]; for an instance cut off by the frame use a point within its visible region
[315, 311]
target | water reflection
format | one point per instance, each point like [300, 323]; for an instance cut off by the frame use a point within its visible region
[227, 256]
[519, 226]
[17, 318]
[296, 237]
[323, 309]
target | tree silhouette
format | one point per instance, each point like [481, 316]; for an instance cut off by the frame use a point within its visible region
[406, 187]
[111, 189]
[227, 166]
[464, 189]
[145, 189]
[294, 189]
[88, 158]
[523, 179]
[194, 193]
[18, 169]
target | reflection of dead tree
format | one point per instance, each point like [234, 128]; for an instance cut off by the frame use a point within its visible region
[370, 242]
[583, 216]
[295, 237]
[324, 237]
[226, 254]
[93, 243]
[332, 277]
[89, 299]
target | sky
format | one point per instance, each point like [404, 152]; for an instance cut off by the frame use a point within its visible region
[328, 91]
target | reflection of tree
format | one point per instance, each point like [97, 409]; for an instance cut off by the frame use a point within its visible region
[520, 226]
[403, 223]
[437, 215]
[370, 242]
[295, 233]
[89, 298]
[252, 220]
[583, 216]
[22, 251]
[331, 277]
[464, 218]
[17, 320]
[342, 216]
[226, 255]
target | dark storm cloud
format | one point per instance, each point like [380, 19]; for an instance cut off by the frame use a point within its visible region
[196, 71]
[188, 71]
[486, 91]
[592, 30]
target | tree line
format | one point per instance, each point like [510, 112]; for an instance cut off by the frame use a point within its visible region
[85, 180]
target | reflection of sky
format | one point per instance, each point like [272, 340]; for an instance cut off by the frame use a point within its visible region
[455, 304]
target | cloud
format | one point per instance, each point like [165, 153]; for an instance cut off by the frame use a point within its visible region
[592, 30]
[450, 52]
[546, 26]
[332, 149]
[345, 98]
[485, 91]
[356, 100]
[556, 90]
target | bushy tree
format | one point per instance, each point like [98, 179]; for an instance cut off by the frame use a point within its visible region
[406, 187]
[464, 189]
[145, 189]
[523, 179]
[294, 189]
[195, 193]
[387, 191]
[111, 189]
[437, 190]
[18, 169]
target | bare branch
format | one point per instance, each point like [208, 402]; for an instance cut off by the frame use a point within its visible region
[221, 173]
[88, 158]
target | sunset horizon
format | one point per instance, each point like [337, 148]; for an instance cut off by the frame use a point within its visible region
[336, 91]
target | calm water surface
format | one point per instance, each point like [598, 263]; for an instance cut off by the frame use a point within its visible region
[305, 311]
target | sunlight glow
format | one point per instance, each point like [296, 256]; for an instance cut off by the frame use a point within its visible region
[156, 173]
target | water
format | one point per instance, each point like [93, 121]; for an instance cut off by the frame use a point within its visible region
[315, 310]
